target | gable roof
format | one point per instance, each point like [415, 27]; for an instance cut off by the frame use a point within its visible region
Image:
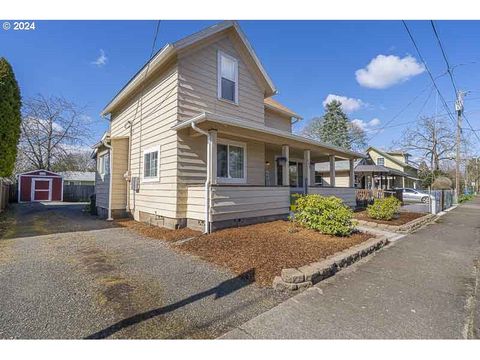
[274, 105]
[389, 157]
[78, 175]
[169, 51]
[34, 172]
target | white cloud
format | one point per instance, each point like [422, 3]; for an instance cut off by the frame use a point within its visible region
[387, 70]
[367, 126]
[101, 60]
[348, 104]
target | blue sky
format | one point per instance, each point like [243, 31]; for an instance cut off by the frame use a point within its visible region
[307, 60]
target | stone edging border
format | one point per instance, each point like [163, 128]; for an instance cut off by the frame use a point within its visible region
[306, 276]
[403, 229]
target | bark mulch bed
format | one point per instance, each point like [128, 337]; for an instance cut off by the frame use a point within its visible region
[399, 219]
[268, 248]
[158, 232]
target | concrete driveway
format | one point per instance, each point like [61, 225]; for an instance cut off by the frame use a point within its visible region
[66, 274]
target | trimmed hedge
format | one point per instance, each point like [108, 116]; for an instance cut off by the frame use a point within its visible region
[384, 209]
[328, 215]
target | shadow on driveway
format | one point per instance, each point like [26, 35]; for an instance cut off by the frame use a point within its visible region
[223, 289]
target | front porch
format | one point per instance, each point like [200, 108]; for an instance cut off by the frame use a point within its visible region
[384, 178]
[251, 171]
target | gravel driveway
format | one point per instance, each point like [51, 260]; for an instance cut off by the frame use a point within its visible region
[65, 274]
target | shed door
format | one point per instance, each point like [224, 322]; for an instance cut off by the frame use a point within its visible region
[41, 189]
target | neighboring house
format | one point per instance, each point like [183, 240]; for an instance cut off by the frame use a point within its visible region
[197, 140]
[380, 170]
[78, 177]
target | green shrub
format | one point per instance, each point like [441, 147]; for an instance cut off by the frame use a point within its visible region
[384, 209]
[325, 214]
[465, 197]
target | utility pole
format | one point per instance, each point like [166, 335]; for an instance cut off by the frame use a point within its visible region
[459, 110]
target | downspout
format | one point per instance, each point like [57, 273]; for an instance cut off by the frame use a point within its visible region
[110, 182]
[208, 178]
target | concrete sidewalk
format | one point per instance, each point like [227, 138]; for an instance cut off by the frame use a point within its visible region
[422, 286]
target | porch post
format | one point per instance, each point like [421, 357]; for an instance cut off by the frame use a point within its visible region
[332, 170]
[306, 169]
[286, 168]
[351, 182]
[213, 156]
[388, 182]
[403, 181]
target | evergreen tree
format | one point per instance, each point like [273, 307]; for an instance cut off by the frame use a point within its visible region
[10, 104]
[335, 128]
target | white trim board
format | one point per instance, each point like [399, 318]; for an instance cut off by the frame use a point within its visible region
[32, 190]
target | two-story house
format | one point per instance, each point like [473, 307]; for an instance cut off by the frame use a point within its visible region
[197, 140]
[378, 170]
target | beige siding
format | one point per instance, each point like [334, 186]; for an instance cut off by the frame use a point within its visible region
[195, 202]
[277, 121]
[230, 202]
[198, 84]
[348, 195]
[119, 167]
[341, 178]
[158, 114]
[388, 163]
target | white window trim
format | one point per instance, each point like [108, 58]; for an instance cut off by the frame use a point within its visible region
[219, 77]
[147, 151]
[101, 171]
[383, 161]
[229, 180]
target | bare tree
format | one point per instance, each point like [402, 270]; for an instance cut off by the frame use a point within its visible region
[433, 139]
[75, 161]
[52, 128]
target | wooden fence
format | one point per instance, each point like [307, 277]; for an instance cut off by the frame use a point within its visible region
[364, 197]
[4, 193]
[76, 193]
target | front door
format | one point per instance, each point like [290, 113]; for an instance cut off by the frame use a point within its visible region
[41, 189]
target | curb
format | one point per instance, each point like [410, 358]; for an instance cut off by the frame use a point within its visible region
[402, 229]
[305, 276]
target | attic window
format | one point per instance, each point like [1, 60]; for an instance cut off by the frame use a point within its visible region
[381, 161]
[227, 78]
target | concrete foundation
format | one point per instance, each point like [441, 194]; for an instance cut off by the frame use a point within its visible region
[116, 213]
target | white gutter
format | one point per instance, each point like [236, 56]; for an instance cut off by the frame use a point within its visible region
[110, 182]
[226, 120]
[209, 176]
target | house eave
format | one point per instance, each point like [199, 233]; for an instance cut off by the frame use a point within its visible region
[170, 50]
[226, 120]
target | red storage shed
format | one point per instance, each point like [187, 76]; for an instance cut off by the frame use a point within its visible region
[40, 185]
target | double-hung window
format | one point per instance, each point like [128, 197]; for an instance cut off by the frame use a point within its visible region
[227, 77]
[151, 162]
[231, 162]
[381, 161]
[103, 165]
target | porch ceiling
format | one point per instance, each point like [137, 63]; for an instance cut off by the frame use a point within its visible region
[236, 127]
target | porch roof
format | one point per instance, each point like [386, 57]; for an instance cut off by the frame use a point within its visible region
[261, 132]
[379, 169]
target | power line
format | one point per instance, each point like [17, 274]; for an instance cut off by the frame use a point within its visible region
[449, 68]
[449, 71]
[444, 103]
[385, 126]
